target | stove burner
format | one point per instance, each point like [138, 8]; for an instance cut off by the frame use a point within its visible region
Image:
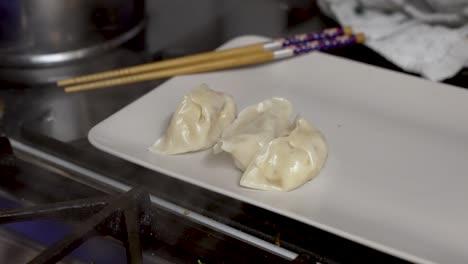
[124, 218]
[129, 217]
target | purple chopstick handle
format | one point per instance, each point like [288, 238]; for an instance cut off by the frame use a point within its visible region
[324, 44]
[301, 38]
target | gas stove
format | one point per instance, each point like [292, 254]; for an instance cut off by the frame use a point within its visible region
[134, 218]
[140, 228]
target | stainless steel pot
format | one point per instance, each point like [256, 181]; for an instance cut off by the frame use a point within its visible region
[37, 33]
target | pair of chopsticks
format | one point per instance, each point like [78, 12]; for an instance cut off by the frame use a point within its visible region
[217, 60]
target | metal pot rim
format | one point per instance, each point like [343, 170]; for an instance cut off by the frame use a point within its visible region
[32, 60]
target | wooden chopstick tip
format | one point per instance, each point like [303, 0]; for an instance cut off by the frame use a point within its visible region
[347, 30]
[360, 38]
[61, 83]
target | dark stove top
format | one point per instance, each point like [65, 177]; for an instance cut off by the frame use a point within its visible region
[131, 218]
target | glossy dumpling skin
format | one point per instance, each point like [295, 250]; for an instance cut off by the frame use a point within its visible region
[288, 162]
[255, 126]
[197, 123]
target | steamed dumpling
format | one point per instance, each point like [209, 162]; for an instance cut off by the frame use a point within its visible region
[288, 162]
[255, 126]
[198, 122]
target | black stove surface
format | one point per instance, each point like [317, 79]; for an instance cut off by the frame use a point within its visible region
[62, 221]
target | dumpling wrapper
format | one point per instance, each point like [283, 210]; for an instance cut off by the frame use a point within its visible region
[288, 162]
[254, 127]
[197, 123]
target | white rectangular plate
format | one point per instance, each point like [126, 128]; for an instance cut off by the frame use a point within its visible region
[397, 174]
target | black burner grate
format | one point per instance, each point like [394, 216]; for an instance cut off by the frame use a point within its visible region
[129, 217]
[123, 217]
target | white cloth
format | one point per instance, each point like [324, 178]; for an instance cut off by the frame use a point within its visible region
[434, 51]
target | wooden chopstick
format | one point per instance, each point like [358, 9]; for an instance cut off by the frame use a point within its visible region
[209, 56]
[187, 60]
[230, 62]
[188, 69]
